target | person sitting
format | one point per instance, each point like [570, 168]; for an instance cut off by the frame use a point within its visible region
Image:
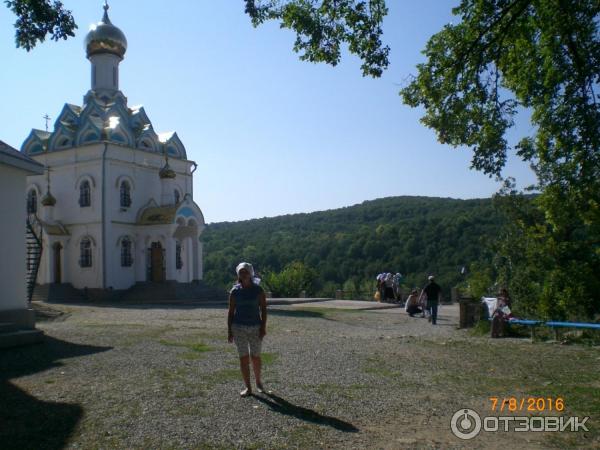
[412, 304]
[501, 314]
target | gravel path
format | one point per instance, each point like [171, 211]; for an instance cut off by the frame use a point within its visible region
[136, 377]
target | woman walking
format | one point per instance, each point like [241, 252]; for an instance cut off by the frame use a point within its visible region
[246, 323]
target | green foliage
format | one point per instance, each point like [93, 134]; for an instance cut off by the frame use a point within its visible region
[293, 279]
[549, 262]
[38, 18]
[346, 247]
[322, 27]
[480, 280]
[507, 55]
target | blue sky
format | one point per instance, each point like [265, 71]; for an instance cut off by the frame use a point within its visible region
[271, 134]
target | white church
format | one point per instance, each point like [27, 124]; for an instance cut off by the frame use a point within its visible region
[114, 206]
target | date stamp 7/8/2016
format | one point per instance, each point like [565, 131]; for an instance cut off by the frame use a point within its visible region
[527, 404]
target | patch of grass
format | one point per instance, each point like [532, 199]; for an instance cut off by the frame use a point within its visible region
[268, 358]
[171, 374]
[190, 356]
[195, 409]
[198, 347]
[221, 376]
[329, 390]
[481, 328]
[304, 436]
[378, 367]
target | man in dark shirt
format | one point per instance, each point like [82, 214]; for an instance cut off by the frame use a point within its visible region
[433, 291]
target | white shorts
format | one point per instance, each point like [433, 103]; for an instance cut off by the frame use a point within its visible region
[247, 339]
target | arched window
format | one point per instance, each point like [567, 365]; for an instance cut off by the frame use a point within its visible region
[126, 259]
[178, 261]
[85, 253]
[84, 193]
[177, 196]
[32, 202]
[125, 195]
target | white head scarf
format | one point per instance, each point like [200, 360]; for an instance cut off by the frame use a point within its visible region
[247, 266]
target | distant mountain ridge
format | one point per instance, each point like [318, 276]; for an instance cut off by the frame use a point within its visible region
[411, 235]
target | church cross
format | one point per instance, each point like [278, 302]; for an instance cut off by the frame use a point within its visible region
[47, 118]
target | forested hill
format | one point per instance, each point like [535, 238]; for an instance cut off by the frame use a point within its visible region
[411, 235]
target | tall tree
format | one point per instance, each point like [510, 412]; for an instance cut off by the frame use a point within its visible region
[508, 55]
[542, 57]
[38, 18]
[323, 26]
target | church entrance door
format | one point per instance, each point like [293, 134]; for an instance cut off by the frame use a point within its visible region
[157, 262]
[57, 273]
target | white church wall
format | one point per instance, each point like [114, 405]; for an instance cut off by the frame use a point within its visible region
[118, 276]
[82, 277]
[68, 169]
[12, 230]
[140, 169]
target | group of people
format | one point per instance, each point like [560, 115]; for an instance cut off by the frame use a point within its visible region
[388, 286]
[426, 302]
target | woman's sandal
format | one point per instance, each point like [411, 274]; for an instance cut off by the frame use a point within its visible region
[246, 393]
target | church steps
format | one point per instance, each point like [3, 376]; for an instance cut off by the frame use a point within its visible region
[8, 327]
[173, 291]
[16, 337]
[57, 293]
[144, 292]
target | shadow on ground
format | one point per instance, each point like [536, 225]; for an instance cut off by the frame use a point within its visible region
[296, 313]
[29, 423]
[179, 304]
[282, 406]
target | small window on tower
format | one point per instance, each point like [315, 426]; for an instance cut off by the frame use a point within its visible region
[126, 259]
[177, 196]
[85, 253]
[84, 194]
[115, 77]
[178, 261]
[125, 195]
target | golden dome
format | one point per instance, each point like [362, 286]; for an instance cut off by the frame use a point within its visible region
[104, 37]
[48, 199]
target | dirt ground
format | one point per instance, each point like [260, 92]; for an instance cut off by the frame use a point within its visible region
[165, 377]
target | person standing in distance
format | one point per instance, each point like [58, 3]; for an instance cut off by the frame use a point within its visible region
[433, 292]
[247, 323]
